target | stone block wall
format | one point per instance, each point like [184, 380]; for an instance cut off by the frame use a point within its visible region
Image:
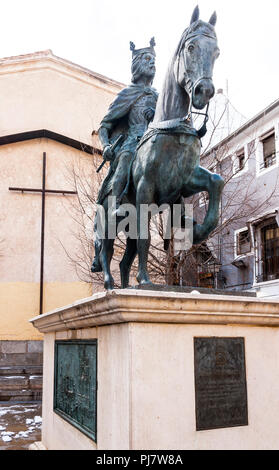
[21, 370]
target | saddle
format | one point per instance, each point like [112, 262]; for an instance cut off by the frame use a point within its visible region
[172, 127]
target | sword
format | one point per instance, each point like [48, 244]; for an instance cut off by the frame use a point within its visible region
[113, 147]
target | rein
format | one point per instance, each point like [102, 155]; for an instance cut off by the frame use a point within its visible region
[188, 118]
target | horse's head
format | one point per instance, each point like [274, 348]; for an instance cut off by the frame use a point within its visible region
[195, 57]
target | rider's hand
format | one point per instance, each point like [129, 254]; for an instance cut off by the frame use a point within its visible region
[149, 113]
[107, 153]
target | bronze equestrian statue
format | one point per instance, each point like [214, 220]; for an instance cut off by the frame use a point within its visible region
[166, 166]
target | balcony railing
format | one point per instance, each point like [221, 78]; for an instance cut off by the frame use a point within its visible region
[269, 160]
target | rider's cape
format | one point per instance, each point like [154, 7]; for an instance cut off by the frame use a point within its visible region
[116, 121]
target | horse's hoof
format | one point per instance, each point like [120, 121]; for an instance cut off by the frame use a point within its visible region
[109, 284]
[125, 286]
[144, 281]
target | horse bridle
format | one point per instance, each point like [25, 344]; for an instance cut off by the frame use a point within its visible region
[188, 117]
[190, 86]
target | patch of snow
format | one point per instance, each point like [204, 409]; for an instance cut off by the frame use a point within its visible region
[14, 377]
[15, 409]
[38, 419]
[7, 433]
[29, 421]
[6, 438]
[23, 434]
[26, 410]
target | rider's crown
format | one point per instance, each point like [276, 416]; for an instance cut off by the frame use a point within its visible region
[137, 52]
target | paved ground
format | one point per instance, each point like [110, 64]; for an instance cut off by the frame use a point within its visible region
[20, 425]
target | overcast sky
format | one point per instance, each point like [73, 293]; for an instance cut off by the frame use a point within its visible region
[96, 35]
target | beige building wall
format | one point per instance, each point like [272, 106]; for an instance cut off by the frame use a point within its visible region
[21, 234]
[43, 92]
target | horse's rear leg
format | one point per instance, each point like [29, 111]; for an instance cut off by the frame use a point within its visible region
[144, 197]
[96, 265]
[105, 259]
[127, 261]
[143, 249]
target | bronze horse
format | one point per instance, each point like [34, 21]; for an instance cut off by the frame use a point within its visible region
[166, 167]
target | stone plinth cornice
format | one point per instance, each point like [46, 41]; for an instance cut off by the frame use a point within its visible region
[128, 305]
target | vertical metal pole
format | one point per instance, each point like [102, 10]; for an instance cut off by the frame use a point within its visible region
[43, 234]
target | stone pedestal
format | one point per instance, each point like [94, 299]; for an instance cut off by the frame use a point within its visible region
[146, 372]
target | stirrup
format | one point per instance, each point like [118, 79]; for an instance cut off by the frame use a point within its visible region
[118, 210]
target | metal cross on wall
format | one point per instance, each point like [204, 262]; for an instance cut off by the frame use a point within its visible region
[43, 191]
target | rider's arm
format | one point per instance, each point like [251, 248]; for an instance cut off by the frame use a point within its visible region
[104, 138]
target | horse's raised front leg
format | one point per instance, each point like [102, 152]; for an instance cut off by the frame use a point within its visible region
[127, 261]
[144, 197]
[204, 180]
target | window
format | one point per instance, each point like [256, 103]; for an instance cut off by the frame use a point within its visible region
[268, 151]
[269, 155]
[203, 199]
[270, 252]
[240, 162]
[243, 243]
[267, 262]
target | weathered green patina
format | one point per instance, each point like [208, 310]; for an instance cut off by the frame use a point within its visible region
[164, 166]
[75, 384]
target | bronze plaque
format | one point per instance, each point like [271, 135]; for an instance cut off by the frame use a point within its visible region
[75, 383]
[220, 383]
